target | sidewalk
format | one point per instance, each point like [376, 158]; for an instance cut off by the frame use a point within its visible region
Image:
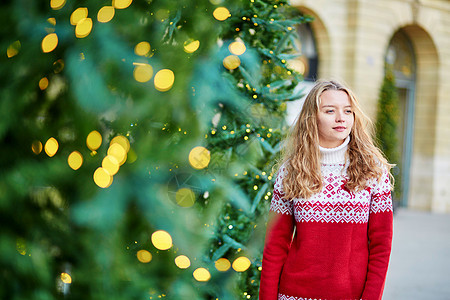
[420, 259]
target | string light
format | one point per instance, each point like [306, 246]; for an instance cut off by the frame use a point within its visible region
[182, 262]
[105, 14]
[43, 83]
[191, 46]
[241, 264]
[57, 4]
[221, 13]
[199, 157]
[102, 178]
[75, 160]
[121, 140]
[144, 256]
[83, 28]
[110, 164]
[94, 140]
[142, 72]
[51, 147]
[49, 42]
[142, 48]
[164, 80]
[121, 4]
[118, 152]
[231, 62]
[201, 274]
[78, 15]
[161, 240]
[66, 278]
[237, 48]
[222, 264]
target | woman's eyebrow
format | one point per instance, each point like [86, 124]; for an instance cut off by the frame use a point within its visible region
[330, 105]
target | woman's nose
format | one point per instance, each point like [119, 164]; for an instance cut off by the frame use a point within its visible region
[339, 117]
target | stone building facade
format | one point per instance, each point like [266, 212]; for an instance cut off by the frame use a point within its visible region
[354, 38]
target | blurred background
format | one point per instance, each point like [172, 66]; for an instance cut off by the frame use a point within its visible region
[139, 138]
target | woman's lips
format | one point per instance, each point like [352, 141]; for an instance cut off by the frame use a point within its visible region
[339, 128]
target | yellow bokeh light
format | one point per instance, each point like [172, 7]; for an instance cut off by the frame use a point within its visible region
[102, 178]
[231, 62]
[199, 157]
[13, 49]
[143, 72]
[121, 4]
[105, 14]
[121, 140]
[57, 4]
[75, 160]
[51, 147]
[222, 264]
[118, 152]
[201, 274]
[144, 256]
[83, 28]
[43, 83]
[66, 278]
[237, 48]
[78, 15]
[185, 197]
[164, 80]
[110, 164]
[221, 13]
[241, 264]
[142, 48]
[182, 262]
[49, 42]
[191, 46]
[36, 147]
[162, 240]
[94, 140]
[52, 21]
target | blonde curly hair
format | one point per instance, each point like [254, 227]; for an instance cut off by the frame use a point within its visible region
[301, 156]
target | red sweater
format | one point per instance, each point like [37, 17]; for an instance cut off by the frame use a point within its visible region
[332, 246]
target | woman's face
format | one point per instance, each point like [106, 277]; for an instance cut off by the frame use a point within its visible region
[334, 119]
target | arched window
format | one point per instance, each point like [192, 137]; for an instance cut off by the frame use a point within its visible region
[307, 63]
[401, 59]
[400, 55]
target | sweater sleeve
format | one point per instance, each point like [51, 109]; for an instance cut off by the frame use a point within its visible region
[380, 229]
[278, 240]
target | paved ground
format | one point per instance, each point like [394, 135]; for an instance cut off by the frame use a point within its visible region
[420, 259]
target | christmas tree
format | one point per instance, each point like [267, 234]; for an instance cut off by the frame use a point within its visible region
[386, 126]
[137, 144]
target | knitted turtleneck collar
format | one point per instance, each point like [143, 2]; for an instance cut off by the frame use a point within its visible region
[334, 155]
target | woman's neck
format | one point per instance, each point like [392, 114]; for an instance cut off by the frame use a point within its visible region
[334, 155]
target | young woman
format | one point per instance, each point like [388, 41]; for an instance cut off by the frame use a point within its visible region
[330, 230]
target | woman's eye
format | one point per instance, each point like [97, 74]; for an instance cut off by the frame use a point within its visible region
[329, 111]
[348, 111]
